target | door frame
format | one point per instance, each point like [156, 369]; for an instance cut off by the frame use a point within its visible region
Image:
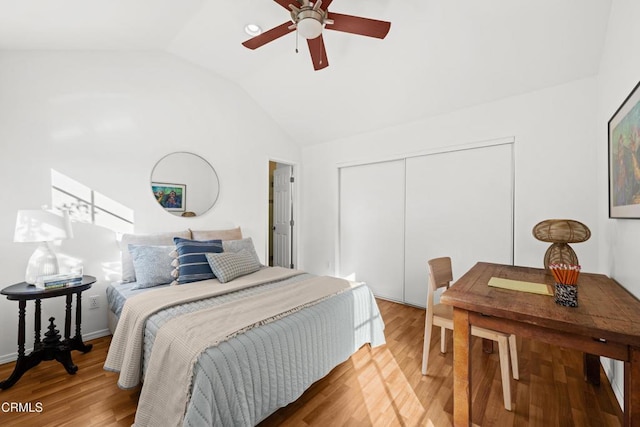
[295, 206]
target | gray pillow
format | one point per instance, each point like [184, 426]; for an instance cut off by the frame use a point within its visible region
[128, 272]
[229, 265]
[239, 245]
[152, 265]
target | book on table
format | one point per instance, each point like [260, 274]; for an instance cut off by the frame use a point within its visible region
[58, 281]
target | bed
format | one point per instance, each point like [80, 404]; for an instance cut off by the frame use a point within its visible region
[233, 352]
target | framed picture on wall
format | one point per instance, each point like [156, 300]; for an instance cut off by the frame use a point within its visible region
[172, 197]
[624, 158]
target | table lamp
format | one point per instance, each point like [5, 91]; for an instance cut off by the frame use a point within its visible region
[561, 232]
[41, 226]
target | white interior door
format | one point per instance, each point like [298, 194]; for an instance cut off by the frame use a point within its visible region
[459, 204]
[372, 226]
[282, 216]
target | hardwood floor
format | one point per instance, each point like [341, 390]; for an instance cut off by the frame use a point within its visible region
[88, 398]
[380, 386]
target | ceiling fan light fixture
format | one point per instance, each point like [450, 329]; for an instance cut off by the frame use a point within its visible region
[309, 28]
[309, 22]
[253, 30]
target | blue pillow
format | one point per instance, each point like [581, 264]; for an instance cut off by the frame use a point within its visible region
[192, 262]
[152, 265]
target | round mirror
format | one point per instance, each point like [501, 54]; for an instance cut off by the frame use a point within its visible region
[184, 184]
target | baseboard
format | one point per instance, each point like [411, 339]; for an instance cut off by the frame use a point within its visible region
[610, 372]
[97, 334]
[12, 357]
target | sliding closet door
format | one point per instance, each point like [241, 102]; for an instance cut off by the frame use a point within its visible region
[372, 226]
[458, 204]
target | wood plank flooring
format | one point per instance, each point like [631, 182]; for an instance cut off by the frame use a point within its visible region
[380, 386]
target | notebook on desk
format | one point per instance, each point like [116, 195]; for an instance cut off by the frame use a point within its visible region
[517, 285]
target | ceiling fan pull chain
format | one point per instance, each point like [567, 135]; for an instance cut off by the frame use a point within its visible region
[296, 41]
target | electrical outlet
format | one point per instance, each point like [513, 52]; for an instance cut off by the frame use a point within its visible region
[93, 302]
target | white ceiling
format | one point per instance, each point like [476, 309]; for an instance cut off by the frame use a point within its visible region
[439, 56]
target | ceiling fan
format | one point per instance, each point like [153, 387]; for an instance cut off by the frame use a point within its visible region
[309, 20]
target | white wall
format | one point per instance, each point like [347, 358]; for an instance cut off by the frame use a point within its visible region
[104, 119]
[550, 126]
[619, 73]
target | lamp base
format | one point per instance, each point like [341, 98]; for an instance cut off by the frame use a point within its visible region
[560, 253]
[43, 262]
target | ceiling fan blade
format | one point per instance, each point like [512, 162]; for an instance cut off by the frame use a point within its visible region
[326, 3]
[269, 36]
[358, 25]
[285, 3]
[318, 53]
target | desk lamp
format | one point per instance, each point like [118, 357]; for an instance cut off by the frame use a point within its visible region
[41, 226]
[561, 232]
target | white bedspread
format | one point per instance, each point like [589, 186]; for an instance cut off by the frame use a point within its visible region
[181, 341]
[125, 351]
[236, 374]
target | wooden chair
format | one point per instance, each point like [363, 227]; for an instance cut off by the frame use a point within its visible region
[440, 275]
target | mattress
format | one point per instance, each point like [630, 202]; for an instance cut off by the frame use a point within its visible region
[118, 292]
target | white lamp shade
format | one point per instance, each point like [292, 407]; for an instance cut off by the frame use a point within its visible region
[39, 225]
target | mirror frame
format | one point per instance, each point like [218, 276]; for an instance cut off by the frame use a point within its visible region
[174, 211]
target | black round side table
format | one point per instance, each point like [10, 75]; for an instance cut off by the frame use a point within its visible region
[51, 346]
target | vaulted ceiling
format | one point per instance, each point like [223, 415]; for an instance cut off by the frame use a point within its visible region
[439, 56]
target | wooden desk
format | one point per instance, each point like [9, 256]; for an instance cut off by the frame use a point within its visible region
[605, 323]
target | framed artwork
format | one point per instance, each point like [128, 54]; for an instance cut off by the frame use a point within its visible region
[624, 158]
[172, 197]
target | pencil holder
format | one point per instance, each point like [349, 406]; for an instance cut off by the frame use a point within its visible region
[566, 295]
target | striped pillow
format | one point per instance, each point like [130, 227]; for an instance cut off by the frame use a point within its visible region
[229, 265]
[192, 262]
